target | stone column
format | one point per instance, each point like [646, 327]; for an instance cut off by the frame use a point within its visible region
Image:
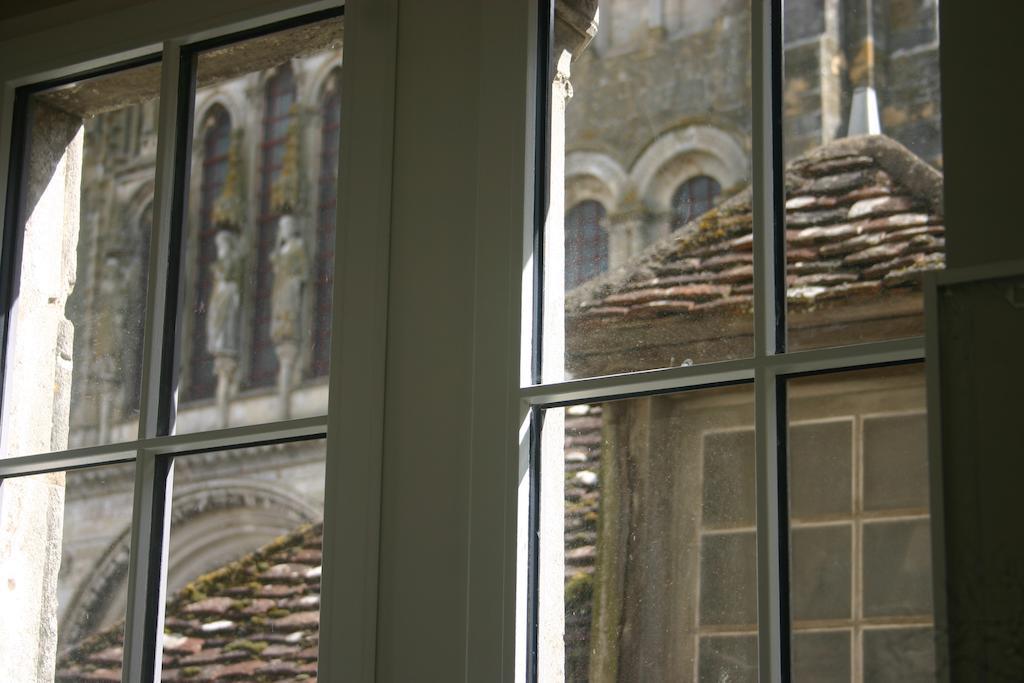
[625, 235]
[291, 273]
[222, 320]
[36, 401]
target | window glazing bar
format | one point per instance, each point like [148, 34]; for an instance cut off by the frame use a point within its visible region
[650, 381]
[769, 329]
[723, 372]
[232, 437]
[143, 633]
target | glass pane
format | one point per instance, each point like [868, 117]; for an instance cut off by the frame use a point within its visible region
[243, 580]
[863, 152]
[860, 532]
[85, 217]
[659, 537]
[255, 327]
[651, 171]
[64, 544]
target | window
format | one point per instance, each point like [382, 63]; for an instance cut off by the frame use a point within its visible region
[120, 500]
[586, 243]
[330, 136]
[693, 199]
[709, 503]
[279, 113]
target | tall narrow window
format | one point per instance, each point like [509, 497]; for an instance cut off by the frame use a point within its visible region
[216, 141]
[586, 243]
[330, 112]
[694, 198]
[90, 336]
[135, 316]
[277, 119]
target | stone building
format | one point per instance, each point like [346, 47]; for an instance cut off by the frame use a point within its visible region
[658, 132]
[253, 324]
[658, 126]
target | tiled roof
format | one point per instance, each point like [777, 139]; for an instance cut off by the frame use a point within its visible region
[257, 619]
[583, 439]
[863, 218]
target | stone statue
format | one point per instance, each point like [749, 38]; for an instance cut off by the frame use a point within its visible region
[291, 271]
[222, 318]
[225, 297]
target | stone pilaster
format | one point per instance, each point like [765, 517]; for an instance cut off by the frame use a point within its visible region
[37, 398]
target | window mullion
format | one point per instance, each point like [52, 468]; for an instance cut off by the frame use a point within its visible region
[768, 186]
[150, 511]
[771, 560]
[769, 331]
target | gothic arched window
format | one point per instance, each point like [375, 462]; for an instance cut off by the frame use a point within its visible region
[135, 311]
[277, 118]
[330, 128]
[693, 198]
[586, 243]
[214, 169]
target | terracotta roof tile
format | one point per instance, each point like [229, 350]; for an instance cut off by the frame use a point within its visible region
[858, 210]
[255, 619]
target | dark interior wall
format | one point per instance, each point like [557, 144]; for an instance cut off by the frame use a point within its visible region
[981, 330]
[19, 17]
[981, 142]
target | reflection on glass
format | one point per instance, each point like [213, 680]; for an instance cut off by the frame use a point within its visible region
[86, 216]
[243, 567]
[656, 113]
[659, 529]
[863, 153]
[65, 538]
[243, 580]
[860, 553]
[259, 258]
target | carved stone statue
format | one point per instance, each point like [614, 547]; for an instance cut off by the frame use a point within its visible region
[291, 272]
[222, 319]
[225, 297]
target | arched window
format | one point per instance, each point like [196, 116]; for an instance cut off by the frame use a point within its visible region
[216, 143]
[693, 198]
[586, 243]
[277, 117]
[135, 312]
[330, 128]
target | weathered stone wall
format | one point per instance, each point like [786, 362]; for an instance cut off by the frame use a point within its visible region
[36, 400]
[655, 68]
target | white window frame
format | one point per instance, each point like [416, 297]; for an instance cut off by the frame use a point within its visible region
[360, 296]
[767, 370]
[366, 511]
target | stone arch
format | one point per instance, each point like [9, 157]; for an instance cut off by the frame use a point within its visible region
[206, 533]
[594, 176]
[318, 79]
[684, 153]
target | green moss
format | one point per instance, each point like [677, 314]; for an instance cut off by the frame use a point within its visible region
[191, 671]
[277, 613]
[579, 589]
[247, 645]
